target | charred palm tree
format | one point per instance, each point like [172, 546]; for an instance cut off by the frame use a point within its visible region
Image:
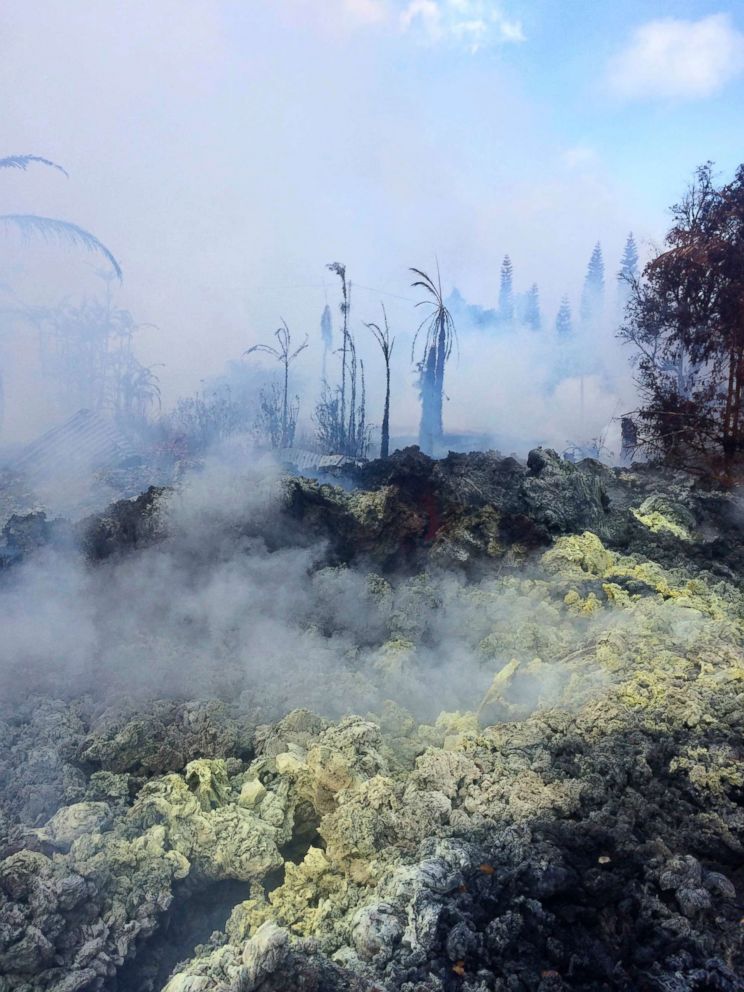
[439, 335]
[345, 307]
[340, 413]
[282, 353]
[382, 336]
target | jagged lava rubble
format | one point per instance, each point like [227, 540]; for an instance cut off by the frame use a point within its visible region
[580, 825]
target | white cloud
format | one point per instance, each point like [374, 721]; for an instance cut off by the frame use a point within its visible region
[338, 17]
[677, 59]
[580, 157]
[426, 13]
[472, 23]
[469, 24]
[367, 11]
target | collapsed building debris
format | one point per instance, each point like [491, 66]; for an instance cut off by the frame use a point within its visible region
[85, 442]
[84, 463]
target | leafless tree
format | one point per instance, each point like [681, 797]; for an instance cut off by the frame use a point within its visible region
[382, 336]
[284, 354]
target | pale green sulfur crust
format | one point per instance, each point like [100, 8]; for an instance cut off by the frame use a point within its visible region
[370, 507]
[656, 522]
[608, 648]
[675, 651]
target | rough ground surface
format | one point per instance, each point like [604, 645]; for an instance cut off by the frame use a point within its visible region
[583, 829]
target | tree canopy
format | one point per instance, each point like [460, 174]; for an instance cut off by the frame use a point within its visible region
[686, 319]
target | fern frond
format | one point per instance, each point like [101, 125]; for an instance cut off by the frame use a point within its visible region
[422, 274]
[60, 231]
[23, 162]
[266, 349]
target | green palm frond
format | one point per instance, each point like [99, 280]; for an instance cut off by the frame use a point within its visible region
[61, 232]
[23, 162]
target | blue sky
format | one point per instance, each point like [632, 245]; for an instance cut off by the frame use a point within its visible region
[227, 149]
[649, 143]
[569, 69]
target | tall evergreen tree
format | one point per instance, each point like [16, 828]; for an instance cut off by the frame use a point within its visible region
[629, 261]
[532, 316]
[506, 291]
[628, 271]
[592, 296]
[563, 322]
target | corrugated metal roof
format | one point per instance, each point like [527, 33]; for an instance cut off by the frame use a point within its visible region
[85, 442]
[305, 460]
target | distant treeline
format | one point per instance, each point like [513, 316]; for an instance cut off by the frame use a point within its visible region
[682, 315]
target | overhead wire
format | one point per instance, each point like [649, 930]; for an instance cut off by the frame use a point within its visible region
[324, 287]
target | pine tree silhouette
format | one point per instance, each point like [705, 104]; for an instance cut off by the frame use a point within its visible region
[628, 271]
[563, 322]
[592, 297]
[532, 316]
[506, 291]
